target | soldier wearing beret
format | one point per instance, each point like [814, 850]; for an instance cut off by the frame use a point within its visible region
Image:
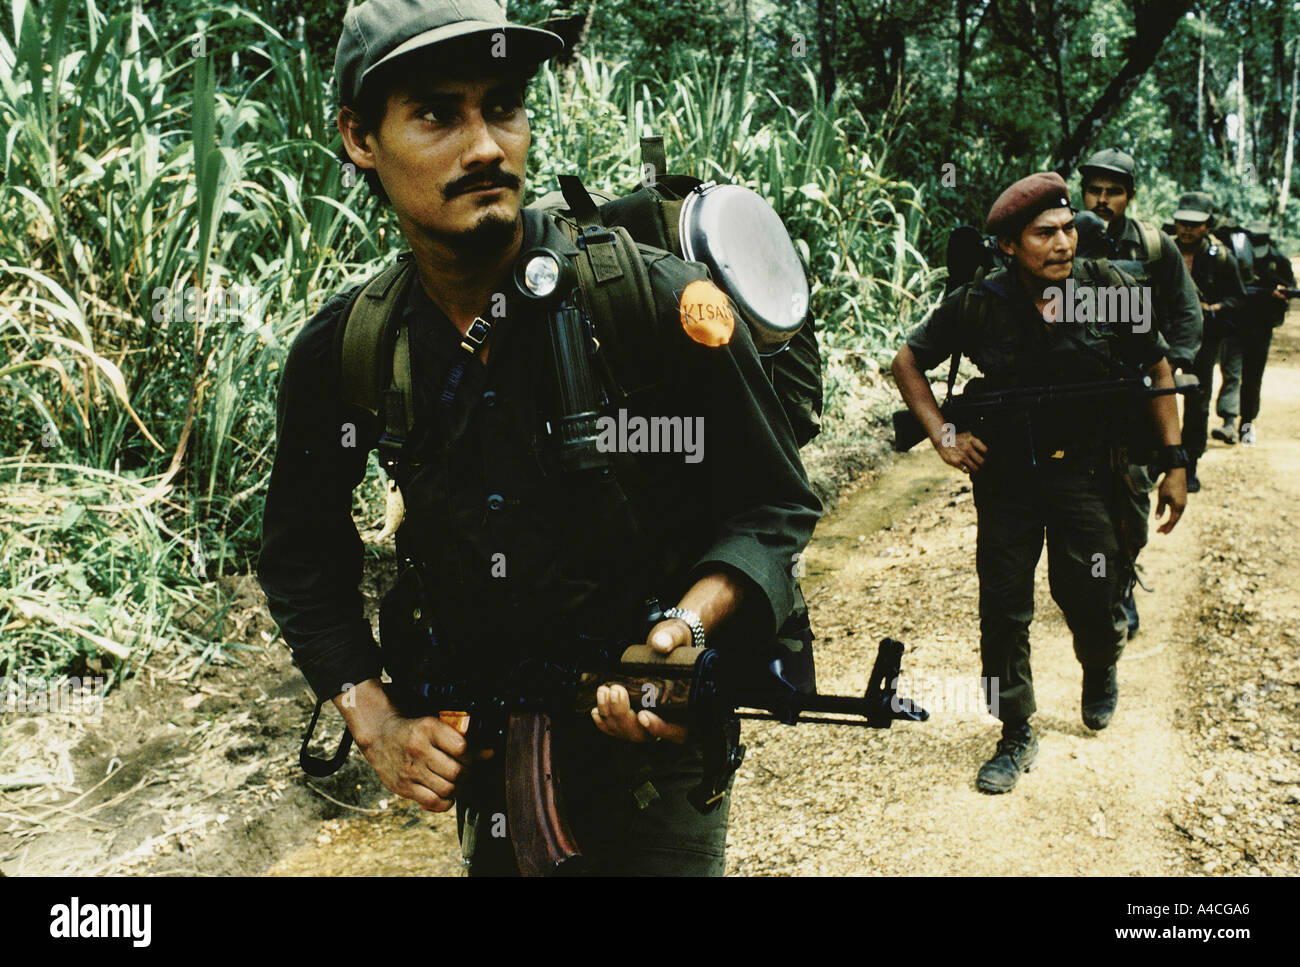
[1222, 294]
[1056, 481]
[505, 554]
[1106, 180]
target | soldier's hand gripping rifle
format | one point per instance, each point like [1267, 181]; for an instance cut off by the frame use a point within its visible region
[969, 411]
[699, 687]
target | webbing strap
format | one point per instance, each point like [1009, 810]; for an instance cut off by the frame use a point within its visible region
[594, 238]
[363, 340]
[450, 387]
[653, 154]
[581, 204]
[315, 766]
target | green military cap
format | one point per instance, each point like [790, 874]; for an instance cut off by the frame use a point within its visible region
[1194, 206]
[1259, 227]
[379, 31]
[1111, 161]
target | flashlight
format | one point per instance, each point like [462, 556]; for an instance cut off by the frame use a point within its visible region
[549, 278]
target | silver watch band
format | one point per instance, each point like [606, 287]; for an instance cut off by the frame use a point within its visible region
[692, 621]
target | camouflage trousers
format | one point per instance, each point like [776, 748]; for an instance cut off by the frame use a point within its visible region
[1071, 505]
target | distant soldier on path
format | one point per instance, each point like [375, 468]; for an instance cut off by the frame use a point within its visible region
[1223, 298]
[1106, 179]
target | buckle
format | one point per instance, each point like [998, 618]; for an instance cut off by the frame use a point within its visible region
[594, 235]
[476, 336]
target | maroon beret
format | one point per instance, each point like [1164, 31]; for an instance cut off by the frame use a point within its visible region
[1022, 202]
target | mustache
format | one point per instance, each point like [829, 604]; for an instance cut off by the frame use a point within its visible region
[495, 178]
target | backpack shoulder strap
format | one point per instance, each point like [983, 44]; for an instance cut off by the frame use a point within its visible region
[974, 310]
[1151, 243]
[373, 350]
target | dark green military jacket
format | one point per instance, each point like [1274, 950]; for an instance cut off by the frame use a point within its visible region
[1270, 270]
[993, 322]
[519, 554]
[1217, 277]
[1178, 311]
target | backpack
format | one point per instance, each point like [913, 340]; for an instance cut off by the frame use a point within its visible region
[608, 236]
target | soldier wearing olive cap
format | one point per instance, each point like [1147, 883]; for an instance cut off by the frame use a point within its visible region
[1222, 294]
[1107, 185]
[505, 555]
[1055, 481]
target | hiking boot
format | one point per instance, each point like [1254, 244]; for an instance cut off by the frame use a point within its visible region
[1016, 752]
[1100, 696]
[1193, 483]
[1248, 434]
[1129, 604]
[1228, 432]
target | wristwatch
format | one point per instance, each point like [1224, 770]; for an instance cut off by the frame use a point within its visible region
[692, 621]
[1171, 458]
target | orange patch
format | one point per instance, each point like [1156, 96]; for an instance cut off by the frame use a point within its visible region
[706, 314]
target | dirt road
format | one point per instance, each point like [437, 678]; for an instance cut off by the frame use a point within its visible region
[1199, 772]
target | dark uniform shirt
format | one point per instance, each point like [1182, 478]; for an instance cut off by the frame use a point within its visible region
[1009, 341]
[483, 495]
[1270, 270]
[1178, 311]
[1217, 278]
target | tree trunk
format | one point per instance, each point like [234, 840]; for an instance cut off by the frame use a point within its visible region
[959, 104]
[1200, 86]
[1285, 191]
[1242, 127]
[744, 26]
[827, 24]
[1273, 159]
[1153, 24]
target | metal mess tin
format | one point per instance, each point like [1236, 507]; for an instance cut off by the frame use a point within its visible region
[737, 234]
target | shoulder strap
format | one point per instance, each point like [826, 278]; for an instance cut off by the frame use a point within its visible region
[980, 306]
[653, 157]
[1150, 239]
[374, 356]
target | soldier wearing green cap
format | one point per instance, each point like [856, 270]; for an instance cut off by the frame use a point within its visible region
[1054, 482]
[1222, 294]
[506, 553]
[1108, 190]
[1107, 185]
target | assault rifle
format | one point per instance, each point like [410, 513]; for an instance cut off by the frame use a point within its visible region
[971, 410]
[1265, 290]
[693, 686]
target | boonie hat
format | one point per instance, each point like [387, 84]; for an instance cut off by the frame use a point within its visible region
[1194, 206]
[1259, 227]
[1021, 203]
[379, 31]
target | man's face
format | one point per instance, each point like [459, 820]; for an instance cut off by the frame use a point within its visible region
[452, 157]
[1105, 197]
[1045, 248]
[1191, 233]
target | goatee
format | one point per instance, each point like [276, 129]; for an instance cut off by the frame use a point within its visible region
[486, 240]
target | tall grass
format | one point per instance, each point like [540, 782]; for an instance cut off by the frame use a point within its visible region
[168, 222]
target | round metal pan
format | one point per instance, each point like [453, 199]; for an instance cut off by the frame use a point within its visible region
[737, 234]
